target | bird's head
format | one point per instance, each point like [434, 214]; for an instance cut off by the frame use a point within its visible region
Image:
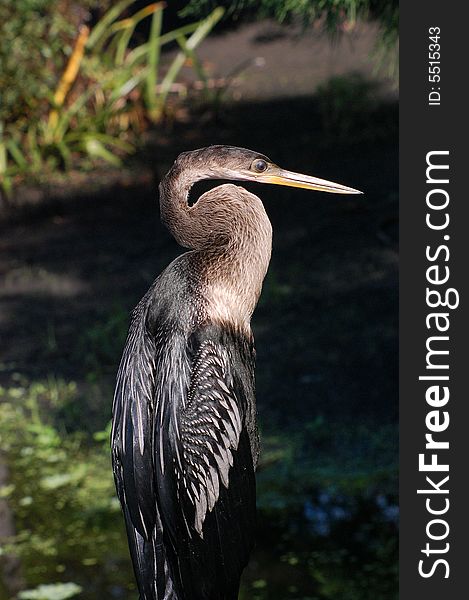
[240, 164]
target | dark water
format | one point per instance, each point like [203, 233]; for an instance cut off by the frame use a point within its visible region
[331, 548]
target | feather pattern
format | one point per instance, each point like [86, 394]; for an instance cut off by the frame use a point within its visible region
[132, 457]
[206, 493]
[131, 431]
[209, 430]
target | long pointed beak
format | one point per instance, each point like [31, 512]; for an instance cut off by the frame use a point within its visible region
[307, 182]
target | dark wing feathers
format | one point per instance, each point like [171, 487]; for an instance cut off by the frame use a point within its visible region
[182, 444]
[132, 427]
[132, 457]
[207, 498]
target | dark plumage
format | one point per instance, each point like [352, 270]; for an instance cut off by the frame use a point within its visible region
[184, 437]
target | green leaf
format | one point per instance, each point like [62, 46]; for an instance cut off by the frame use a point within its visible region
[34, 148]
[66, 115]
[154, 47]
[3, 157]
[125, 88]
[98, 150]
[103, 138]
[55, 481]
[140, 52]
[101, 31]
[17, 154]
[198, 67]
[123, 39]
[52, 591]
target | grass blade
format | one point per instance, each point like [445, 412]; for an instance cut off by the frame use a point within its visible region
[96, 149]
[34, 149]
[154, 48]
[3, 152]
[66, 115]
[65, 153]
[17, 155]
[123, 44]
[205, 27]
[198, 67]
[138, 16]
[141, 52]
[128, 85]
[102, 138]
[102, 30]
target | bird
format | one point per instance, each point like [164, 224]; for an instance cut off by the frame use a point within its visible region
[184, 438]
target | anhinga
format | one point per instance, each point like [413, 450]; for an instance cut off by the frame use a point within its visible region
[184, 438]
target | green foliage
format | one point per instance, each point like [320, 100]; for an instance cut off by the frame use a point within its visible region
[37, 37]
[333, 12]
[71, 92]
[60, 487]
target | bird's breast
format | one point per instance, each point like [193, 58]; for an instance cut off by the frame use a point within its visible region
[226, 305]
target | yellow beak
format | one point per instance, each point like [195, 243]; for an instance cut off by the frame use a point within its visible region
[307, 182]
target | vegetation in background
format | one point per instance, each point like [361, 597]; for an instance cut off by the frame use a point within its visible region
[72, 93]
[54, 472]
[334, 13]
[37, 37]
[90, 89]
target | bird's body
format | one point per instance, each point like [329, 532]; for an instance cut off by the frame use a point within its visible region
[184, 439]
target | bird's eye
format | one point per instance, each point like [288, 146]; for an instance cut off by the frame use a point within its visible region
[259, 165]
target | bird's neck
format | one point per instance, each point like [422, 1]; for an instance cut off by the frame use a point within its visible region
[234, 273]
[232, 237]
[174, 209]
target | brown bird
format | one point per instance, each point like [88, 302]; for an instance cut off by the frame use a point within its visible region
[184, 438]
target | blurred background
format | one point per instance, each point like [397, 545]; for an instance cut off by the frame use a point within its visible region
[96, 101]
